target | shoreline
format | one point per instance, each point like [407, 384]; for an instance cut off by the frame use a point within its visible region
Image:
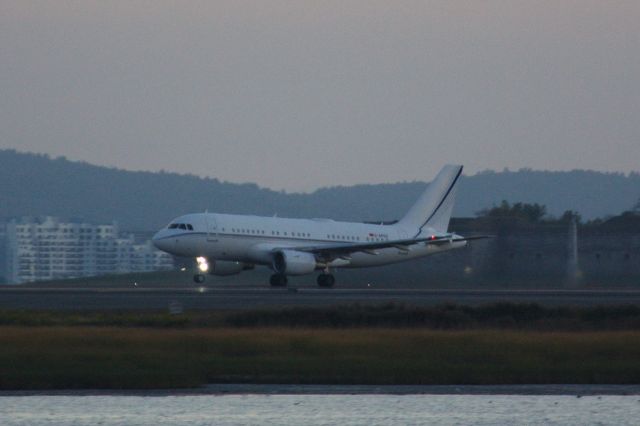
[578, 390]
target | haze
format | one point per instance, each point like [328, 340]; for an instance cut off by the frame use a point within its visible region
[298, 95]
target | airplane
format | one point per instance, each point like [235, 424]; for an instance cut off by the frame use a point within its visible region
[225, 244]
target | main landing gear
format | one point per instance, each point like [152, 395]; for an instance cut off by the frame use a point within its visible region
[199, 278]
[326, 280]
[278, 280]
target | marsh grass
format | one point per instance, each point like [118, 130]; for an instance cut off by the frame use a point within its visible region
[518, 316]
[116, 358]
[521, 316]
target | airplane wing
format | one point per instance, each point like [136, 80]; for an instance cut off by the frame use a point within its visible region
[337, 250]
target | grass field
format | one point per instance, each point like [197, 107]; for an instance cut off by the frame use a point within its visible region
[60, 357]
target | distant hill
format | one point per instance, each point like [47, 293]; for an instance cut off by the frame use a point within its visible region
[32, 184]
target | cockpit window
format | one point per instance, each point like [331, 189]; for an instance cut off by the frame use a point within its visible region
[181, 226]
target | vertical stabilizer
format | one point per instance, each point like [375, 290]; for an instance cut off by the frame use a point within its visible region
[434, 207]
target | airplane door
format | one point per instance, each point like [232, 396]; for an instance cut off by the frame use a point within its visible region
[212, 228]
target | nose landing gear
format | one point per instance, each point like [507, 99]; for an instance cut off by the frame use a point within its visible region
[199, 278]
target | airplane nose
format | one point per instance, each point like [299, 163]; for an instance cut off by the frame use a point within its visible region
[159, 241]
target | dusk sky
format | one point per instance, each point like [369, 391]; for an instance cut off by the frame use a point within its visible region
[297, 95]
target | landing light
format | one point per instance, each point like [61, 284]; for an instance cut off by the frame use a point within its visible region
[203, 265]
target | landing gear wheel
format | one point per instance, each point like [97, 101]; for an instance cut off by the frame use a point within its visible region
[278, 280]
[326, 280]
[199, 278]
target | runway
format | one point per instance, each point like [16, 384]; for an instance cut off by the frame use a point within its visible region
[264, 297]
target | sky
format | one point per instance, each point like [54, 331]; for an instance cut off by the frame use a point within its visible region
[297, 95]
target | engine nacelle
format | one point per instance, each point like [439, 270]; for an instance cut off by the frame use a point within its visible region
[293, 262]
[225, 267]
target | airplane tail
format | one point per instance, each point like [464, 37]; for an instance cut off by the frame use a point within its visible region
[433, 208]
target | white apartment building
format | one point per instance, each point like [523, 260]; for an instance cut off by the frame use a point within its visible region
[48, 249]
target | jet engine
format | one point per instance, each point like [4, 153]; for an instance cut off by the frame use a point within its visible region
[293, 262]
[225, 267]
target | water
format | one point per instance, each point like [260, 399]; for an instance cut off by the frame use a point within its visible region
[319, 410]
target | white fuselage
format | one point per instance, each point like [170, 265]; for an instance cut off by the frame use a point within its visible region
[252, 239]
